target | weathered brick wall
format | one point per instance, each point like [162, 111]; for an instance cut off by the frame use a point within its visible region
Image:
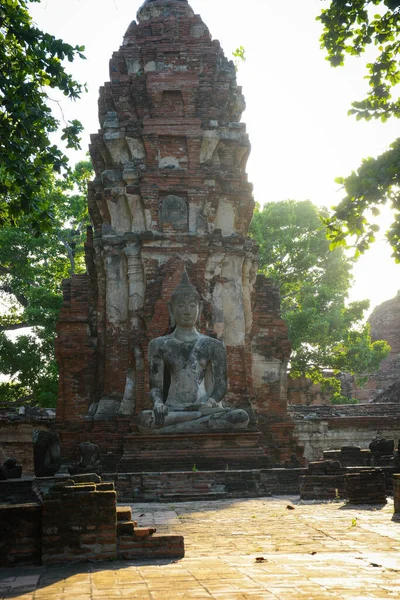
[75, 350]
[108, 436]
[268, 354]
[79, 523]
[320, 428]
[16, 436]
[18, 491]
[205, 485]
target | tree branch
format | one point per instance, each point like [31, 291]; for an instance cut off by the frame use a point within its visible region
[69, 252]
[20, 297]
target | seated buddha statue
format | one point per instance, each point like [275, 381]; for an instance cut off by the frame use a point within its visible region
[188, 375]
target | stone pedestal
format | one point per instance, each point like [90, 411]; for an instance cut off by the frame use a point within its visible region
[366, 486]
[324, 480]
[186, 452]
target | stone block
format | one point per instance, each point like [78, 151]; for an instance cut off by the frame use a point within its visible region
[366, 486]
[125, 527]
[141, 532]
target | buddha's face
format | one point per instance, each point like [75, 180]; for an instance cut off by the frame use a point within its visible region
[185, 309]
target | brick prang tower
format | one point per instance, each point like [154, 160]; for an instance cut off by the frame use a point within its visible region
[170, 193]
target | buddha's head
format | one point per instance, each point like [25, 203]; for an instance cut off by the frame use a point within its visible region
[185, 305]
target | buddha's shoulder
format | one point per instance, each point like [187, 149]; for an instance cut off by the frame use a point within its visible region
[211, 342]
[160, 342]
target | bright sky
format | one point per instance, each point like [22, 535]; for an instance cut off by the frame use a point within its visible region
[297, 104]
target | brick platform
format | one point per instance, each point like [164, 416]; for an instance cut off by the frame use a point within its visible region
[184, 452]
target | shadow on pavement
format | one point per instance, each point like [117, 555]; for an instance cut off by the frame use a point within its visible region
[369, 507]
[18, 581]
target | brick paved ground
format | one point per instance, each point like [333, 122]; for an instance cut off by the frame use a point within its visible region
[315, 551]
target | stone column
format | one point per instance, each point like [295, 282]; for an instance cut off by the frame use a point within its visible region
[116, 334]
[136, 291]
[136, 281]
[229, 322]
[227, 301]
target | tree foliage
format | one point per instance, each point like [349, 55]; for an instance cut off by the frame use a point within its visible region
[350, 28]
[31, 64]
[240, 56]
[374, 184]
[31, 272]
[326, 333]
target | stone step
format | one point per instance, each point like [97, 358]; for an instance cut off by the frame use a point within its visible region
[124, 513]
[151, 546]
[130, 531]
[126, 528]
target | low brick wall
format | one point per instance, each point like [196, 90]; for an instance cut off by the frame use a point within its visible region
[279, 482]
[204, 485]
[326, 480]
[179, 486]
[20, 534]
[320, 428]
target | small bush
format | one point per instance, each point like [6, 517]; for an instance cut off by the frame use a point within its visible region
[339, 399]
